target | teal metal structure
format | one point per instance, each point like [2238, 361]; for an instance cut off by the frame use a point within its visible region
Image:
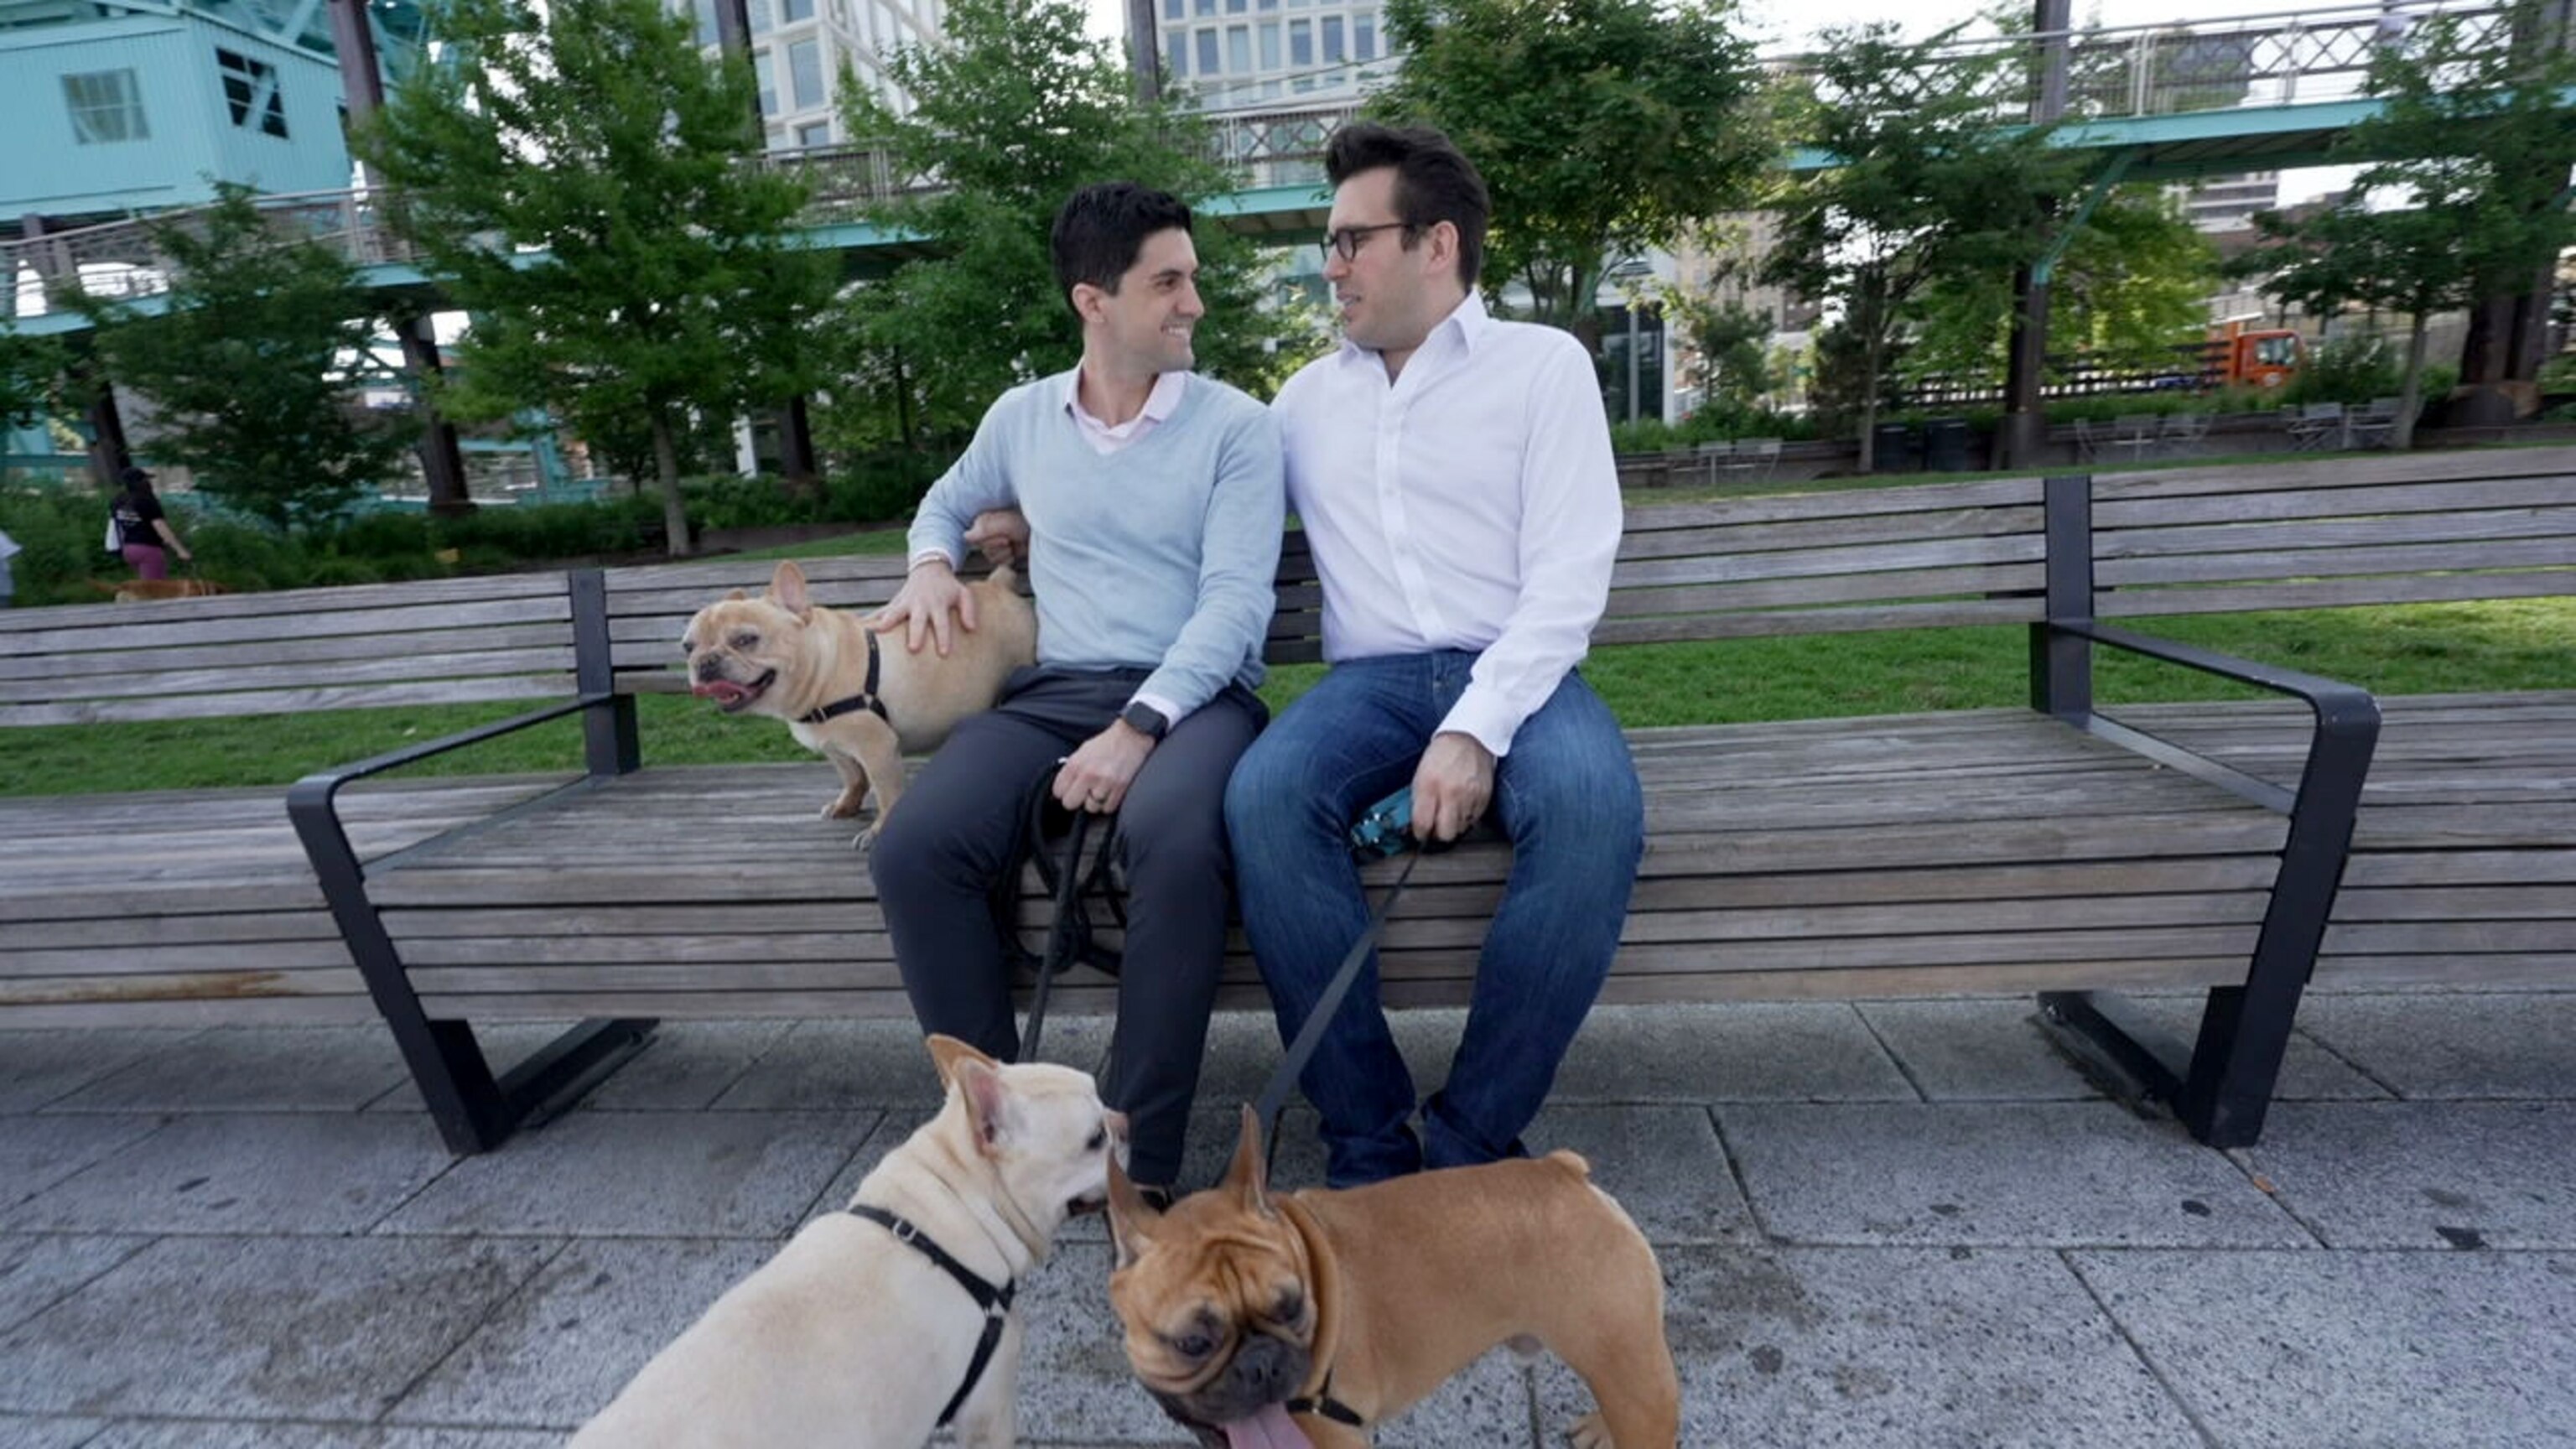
[116, 107]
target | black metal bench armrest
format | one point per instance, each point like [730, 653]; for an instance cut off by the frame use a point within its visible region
[2340, 745]
[316, 792]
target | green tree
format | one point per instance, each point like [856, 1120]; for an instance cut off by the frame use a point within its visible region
[2131, 289]
[577, 183]
[1928, 188]
[30, 369]
[1013, 112]
[251, 360]
[2473, 138]
[1732, 341]
[1603, 128]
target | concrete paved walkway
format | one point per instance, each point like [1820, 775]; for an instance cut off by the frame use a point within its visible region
[1887, 1225]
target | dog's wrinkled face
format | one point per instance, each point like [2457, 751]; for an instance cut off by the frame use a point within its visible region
[1040, 1128]
[1216, 1301]
[739, 646]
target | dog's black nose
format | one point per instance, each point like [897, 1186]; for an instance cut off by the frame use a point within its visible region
[1265, 1370]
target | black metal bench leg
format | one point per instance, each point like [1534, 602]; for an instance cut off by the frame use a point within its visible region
[559, 1073]
[473, 1110]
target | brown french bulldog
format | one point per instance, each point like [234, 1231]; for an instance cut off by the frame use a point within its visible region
[1297, 1322]
[857, 700]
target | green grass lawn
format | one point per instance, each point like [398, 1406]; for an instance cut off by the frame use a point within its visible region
[2432, 648]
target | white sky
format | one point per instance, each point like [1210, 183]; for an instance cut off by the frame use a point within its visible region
[1789, 25]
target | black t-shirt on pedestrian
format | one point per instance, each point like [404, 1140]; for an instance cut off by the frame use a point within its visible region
[134, 517]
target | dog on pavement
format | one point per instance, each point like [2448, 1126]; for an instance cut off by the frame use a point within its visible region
[883, 1321]
[857, 702]
[1299, 1321]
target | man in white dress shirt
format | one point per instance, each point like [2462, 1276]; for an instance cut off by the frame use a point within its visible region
[1454, 476]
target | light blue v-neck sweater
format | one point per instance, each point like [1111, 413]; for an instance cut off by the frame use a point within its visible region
[1161, 556]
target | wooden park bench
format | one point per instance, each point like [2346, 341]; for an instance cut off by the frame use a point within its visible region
[2048, 849]
[200, 907]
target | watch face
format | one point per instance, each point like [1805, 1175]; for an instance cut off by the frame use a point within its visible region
[1145, 720]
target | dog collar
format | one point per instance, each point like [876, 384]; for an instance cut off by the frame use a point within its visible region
[1323, 1403]
[865, 699]
[996, 1302]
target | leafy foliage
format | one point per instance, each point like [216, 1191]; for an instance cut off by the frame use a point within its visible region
[30, 368]
[1602, 127]
[250, 362]
[1931, 190]
[1018, 109]
[2473, 138]
[2130, 292]
[578, 185]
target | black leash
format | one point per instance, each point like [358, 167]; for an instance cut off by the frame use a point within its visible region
[1069, 931]
[996, 1302]
[1274, 1096]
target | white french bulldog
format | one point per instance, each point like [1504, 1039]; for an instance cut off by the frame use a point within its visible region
[855, 1336]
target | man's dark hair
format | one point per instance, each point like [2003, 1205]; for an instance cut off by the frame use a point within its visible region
[1434, 182]
[1102, 227]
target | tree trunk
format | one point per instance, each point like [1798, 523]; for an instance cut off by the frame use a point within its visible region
[1870, 354]
[666, 470]
[2410, 393]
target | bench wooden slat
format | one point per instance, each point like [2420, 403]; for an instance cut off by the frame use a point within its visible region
[434, 627]
[2346, 472]
[2114, 516]
[304, 653]
[2298, 537]
[552, 666]
[285, 701]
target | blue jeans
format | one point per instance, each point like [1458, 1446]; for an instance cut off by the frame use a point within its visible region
[1567, 797]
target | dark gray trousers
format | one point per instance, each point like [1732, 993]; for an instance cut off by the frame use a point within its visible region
[956, 836]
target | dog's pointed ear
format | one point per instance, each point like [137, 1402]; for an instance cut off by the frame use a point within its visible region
[1248, 1178]
[947, 1051]
[787, 590]
[737, 596]
[1131, 1218]
[978, 1079]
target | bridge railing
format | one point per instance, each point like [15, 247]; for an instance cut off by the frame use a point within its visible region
[2289, 57]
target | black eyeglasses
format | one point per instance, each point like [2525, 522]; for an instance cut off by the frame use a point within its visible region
[1346, 242]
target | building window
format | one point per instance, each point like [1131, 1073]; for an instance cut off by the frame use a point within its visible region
[1333, 53]
[759, 15]
[1207, 51]
[1176, 54]
[1238, 49]
[766, 73]
[1301, 42]
[1204, 7]
[1175, 9]
[814, 133]
[708, 34]
[1364, 35]
[1235, 7]
[791, 11]
[250, 90]
[1270, 45]
[106, 107]
[805, 73]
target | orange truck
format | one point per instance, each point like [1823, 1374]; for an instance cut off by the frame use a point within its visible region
[2236, 355]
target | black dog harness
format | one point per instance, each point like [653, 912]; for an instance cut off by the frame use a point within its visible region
[996, 1302]
[865, 699]
[1324, 1404]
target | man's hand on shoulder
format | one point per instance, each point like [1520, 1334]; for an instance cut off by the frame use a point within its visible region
[930, 605]
[1452, 786]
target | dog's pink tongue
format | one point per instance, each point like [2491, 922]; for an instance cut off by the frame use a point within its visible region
[1269, 1429]
[724, 690]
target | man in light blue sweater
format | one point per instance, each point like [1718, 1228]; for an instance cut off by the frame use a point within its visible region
[1155, 498]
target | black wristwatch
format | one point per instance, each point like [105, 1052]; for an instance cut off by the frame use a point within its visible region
[1145, 720]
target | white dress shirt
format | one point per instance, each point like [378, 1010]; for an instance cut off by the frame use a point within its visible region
[1470, 504]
